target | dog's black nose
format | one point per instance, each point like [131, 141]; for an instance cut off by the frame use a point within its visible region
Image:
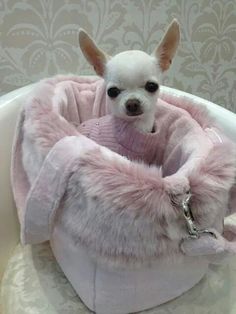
[133, 107]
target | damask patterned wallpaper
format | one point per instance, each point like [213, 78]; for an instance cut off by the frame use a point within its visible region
[38, 38]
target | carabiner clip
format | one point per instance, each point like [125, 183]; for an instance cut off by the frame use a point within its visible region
[193, 231]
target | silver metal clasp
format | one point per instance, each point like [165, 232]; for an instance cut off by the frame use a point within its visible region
[193, 231]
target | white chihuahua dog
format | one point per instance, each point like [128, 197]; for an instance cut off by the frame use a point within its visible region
[132, 77]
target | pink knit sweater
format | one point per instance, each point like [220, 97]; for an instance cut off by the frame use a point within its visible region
[123, 138]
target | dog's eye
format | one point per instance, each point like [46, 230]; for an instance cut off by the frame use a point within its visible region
[151, 87]
[113, 92]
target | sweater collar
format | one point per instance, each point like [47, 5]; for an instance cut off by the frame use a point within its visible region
[133, 139]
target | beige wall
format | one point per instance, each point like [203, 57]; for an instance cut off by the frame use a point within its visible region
[38, 38]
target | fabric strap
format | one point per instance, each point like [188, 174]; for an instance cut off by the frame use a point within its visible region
[49, 187]
[217, 249]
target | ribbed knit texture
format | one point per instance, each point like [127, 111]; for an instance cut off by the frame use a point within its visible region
[122, 137]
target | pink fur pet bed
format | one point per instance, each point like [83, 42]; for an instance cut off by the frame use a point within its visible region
[116, 226]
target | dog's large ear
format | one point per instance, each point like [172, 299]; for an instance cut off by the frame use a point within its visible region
[168, 46]
[96, 57]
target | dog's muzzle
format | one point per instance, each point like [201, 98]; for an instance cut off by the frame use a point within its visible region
[133, 107]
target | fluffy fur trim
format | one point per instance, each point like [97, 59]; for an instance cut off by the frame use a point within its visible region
[123, 213]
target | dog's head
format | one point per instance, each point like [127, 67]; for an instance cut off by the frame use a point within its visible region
[132, 77]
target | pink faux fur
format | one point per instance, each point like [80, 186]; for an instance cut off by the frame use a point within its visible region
[120, 210]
